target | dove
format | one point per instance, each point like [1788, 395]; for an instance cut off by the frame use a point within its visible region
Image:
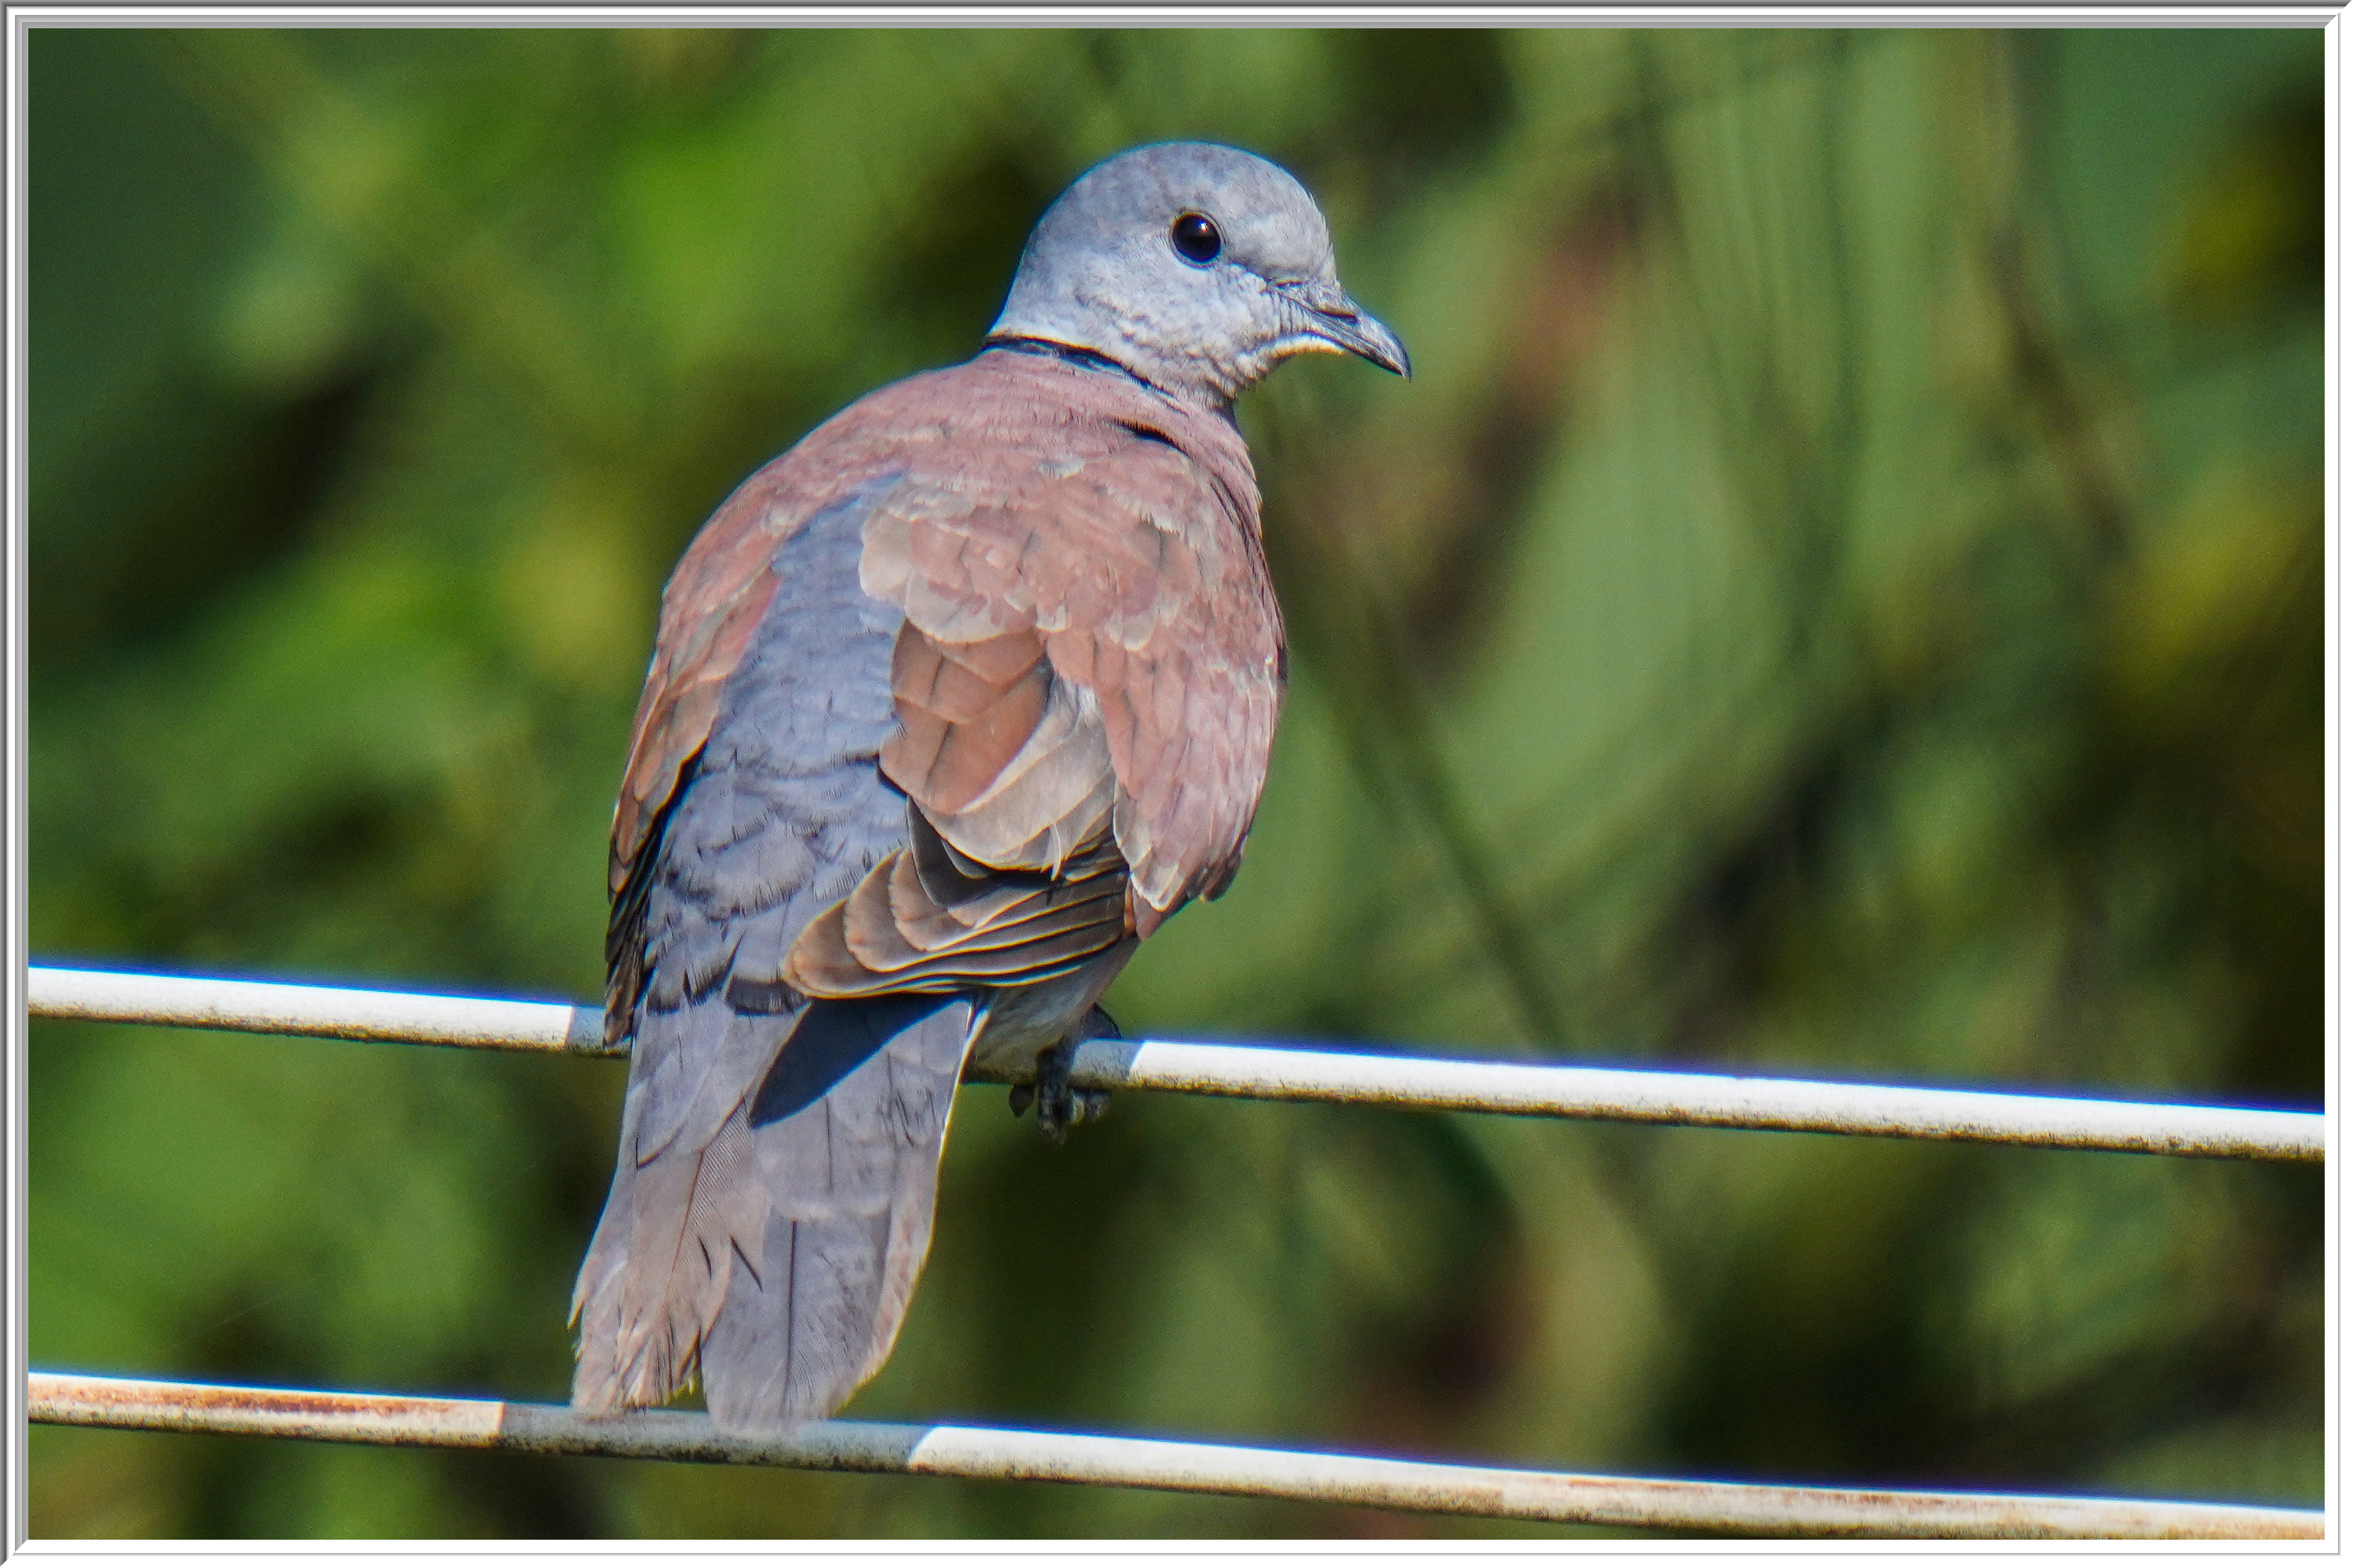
[951, 706]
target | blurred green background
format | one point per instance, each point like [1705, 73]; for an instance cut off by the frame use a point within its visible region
[1842, 595]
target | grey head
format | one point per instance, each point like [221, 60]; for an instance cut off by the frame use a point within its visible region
[1197, 267]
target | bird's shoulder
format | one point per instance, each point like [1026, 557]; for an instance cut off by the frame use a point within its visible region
[1006, 433]
[1015, 427]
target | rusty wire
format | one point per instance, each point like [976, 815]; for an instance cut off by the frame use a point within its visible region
[996, 1454]
[1262, 1072]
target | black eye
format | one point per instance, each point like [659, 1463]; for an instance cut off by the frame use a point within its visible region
[1194, 234]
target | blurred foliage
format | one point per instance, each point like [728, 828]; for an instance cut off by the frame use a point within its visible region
[1843, 595]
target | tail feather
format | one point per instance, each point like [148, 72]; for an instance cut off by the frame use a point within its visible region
[657, 1271]
[779, 1258]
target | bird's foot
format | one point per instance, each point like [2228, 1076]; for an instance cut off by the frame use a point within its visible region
[1061, 1106]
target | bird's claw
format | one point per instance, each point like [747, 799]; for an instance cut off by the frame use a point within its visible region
[1060, 1105]
[1078, 1105]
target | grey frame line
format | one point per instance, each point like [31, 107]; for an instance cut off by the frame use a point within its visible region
[1006, 1454]
[1272, 1073]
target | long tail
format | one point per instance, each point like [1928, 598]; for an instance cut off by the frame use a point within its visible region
[777, 1256]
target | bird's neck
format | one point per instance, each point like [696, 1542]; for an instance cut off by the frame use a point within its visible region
[1207, 399]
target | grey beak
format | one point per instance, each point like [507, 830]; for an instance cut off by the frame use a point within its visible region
[1340, 322]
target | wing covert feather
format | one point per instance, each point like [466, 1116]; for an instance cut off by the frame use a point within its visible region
[1120, 529]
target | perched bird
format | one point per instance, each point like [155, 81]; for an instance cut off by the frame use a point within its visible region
[950, 706]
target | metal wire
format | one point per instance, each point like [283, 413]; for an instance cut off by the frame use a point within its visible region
[1259, 1072]
[1252, 1072]
[334, 1013]
[996, 1454]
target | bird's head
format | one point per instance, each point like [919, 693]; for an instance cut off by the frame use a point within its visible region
[1199, 268]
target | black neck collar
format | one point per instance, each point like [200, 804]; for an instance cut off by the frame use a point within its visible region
[1093, 359]
[1090, 358]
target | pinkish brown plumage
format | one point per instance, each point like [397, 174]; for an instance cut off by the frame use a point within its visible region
[951, 705]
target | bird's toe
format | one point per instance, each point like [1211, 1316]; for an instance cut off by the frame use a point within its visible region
[1062, 1104]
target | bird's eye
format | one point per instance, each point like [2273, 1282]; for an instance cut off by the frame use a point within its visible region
[1194, 234]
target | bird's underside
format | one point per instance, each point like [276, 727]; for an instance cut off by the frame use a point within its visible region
[952, 704]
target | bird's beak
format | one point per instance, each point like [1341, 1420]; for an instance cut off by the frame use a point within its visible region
[1338, 320]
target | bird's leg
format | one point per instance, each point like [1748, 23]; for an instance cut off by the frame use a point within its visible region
[1093, 1105]
[1056, 1106]
[1060, 1105]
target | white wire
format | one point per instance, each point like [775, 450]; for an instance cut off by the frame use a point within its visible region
[1263, 1071]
